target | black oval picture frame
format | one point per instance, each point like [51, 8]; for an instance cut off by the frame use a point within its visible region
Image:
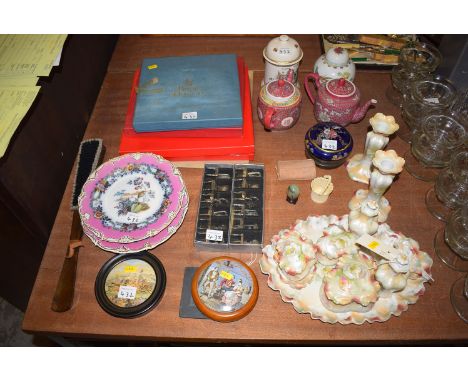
[144, 307]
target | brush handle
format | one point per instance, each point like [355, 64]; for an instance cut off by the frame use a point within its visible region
[65, 290]
[90, 155]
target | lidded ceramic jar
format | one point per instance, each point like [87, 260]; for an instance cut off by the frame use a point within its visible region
[279, 105]
[281, 54]
[335, 64]
[328, 144]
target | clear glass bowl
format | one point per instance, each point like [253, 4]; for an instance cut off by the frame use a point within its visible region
[420, 56]
[433, 94]
[440, 135]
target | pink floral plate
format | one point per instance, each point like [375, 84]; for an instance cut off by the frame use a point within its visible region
[131, 198]
[145, 244]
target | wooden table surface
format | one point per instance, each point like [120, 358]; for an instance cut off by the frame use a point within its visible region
[430, 320]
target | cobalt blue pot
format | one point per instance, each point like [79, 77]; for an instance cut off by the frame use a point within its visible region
[328, 144]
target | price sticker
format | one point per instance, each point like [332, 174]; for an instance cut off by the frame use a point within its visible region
[214, 235]
[127, 292]
[329, 144]
[151, 67]
[433, 100]
[373, 245]
[378, 247]
[226, 275]
[190, 115]
[130, 269]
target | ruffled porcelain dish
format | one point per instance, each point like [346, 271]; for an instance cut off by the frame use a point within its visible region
[131, 198]
[147, 243]
[351, 285]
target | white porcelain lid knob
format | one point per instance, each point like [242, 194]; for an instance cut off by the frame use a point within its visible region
[337, 57]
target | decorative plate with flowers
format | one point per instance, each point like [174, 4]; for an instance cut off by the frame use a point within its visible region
[131, 197]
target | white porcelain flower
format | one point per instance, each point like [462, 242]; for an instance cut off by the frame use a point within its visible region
[384, 124]
[388, 162]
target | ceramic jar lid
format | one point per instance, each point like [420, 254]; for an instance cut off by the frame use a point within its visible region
[283, 50]
[224, 289]
[280, 93]
[337, 57]
[280, 89]
[341, 87]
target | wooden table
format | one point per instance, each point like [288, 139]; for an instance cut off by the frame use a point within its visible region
[430, 320]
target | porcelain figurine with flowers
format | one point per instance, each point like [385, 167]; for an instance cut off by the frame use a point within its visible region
[318, 267]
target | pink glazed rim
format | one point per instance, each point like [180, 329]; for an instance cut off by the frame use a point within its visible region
[94, 225]
[145, 244]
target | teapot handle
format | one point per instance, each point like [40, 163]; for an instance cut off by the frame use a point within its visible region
[316, 78]
[269, 113]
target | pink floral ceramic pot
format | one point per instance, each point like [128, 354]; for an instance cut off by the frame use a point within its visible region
[279, 105]
[337, 101]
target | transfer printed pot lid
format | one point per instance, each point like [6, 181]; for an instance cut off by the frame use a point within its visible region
[131, 198]
[224, 289]
[147, 243]
[130, 285]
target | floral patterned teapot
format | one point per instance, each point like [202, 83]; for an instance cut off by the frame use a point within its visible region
[337, 100]
[279, 105]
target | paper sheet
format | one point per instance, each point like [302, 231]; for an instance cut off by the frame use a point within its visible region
[23, 58]
[14, 104]
[32, 55]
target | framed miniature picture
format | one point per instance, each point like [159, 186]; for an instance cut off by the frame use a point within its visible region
[224, 289]
[130, 285]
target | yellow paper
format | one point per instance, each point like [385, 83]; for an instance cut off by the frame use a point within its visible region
[18, 81]
[14, 104]
[31, 55]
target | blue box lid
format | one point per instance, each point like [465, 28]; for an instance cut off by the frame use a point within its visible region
[188, 92]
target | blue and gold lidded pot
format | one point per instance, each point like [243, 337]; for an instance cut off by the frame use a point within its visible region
[328, 144]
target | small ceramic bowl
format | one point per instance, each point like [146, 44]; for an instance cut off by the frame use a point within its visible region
[328, 144]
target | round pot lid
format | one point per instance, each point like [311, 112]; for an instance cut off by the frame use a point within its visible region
[341, 87]
[129, 285]
[224, 289]
[281, 89]
[283, 50]
[337, 57]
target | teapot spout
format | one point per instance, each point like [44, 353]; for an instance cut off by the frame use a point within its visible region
[361, 111]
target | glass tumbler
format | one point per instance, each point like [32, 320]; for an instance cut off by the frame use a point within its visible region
[402, 78]
[416, 61]
[424, 97]
[451, 187]
[459, 297]
[432, 147]
[460, 108]
[451, 242]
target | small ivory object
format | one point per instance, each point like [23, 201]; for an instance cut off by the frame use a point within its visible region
[300, 169]
[321, 188]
